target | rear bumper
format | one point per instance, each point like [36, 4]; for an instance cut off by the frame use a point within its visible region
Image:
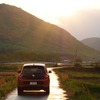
[33, 87]
[41, 84]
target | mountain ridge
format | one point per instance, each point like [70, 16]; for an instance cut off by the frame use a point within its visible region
[21, 31]
[93, 42]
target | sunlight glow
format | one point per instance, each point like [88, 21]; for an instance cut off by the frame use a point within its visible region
[51, 10]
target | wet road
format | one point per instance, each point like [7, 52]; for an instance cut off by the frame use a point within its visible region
[56, 93]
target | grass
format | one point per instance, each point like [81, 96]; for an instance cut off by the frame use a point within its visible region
[79, 84]
[7, 83]
[9, 67]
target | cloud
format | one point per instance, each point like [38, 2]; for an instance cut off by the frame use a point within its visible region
[82, 25]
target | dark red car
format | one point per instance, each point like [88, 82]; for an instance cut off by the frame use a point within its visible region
[33, 77]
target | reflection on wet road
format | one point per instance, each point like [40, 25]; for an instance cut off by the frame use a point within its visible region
[56, 93]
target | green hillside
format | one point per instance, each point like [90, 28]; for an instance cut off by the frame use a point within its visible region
[23, 33]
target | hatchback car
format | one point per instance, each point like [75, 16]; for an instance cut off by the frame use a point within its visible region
[33, 77]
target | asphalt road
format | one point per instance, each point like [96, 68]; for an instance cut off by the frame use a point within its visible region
[56, 93]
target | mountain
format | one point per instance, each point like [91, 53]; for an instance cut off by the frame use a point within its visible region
[23, 32]
[93, 42]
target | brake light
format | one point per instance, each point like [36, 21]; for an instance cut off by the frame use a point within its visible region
[45, 76]
[20, 79]
[20, 76]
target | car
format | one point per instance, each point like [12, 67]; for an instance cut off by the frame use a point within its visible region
[33, 76]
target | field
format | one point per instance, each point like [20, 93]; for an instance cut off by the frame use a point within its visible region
[7, 83]
[7, 78]
[80, 83]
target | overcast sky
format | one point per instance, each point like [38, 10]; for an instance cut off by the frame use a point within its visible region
[80, 17]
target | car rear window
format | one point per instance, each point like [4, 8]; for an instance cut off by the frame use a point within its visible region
[33, 69]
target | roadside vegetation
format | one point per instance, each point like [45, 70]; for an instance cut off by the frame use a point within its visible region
[80, 83]
[8, 68]
[7, 82]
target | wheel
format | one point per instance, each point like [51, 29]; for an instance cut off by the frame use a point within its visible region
[47, 90]
[20, 91]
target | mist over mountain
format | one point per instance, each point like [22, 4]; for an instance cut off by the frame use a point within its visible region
[83, 24]
[21, 31]
[93, 42]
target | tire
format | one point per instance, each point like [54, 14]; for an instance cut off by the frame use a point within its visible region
[20, 91]
[47, 90]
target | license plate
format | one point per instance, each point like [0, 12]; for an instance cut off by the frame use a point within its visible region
[33, 83]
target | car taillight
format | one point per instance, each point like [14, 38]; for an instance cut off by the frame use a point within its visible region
[46, 79]
[20, 79]
[46, 76]
[20, 76]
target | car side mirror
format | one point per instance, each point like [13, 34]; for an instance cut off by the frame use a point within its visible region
[50, 71]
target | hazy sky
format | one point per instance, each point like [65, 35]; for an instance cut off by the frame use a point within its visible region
[80, 17]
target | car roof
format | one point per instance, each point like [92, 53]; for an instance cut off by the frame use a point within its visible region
[34, 64]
